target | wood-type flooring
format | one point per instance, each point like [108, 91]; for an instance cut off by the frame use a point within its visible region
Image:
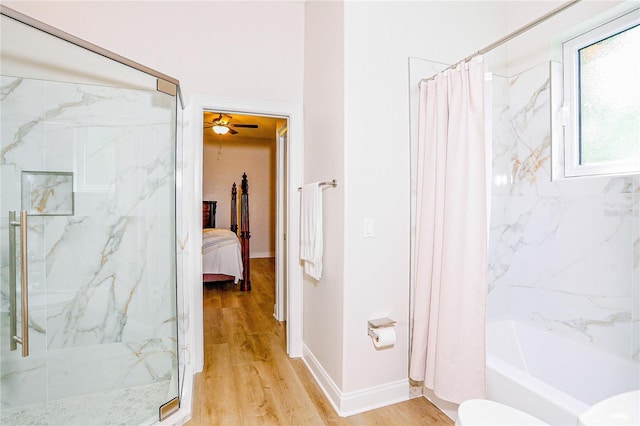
[248, 379]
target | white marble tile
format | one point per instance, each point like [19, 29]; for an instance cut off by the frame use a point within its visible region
[498, 303]
[563, 254]
[102, 281]
[502, 140]
[635, 316]
[600, 321]
[82, 370]
[110, 294]
[184, 293]
[529, 111]
[569, 244]
[23, 379]
[47, 193]
[21, 101]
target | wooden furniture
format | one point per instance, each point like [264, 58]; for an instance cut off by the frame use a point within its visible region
[209, 214]
[226, 266]
[245, 234]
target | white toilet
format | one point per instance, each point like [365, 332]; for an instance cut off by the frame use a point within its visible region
[622, 409]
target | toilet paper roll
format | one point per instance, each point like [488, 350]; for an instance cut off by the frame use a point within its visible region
[385, 336]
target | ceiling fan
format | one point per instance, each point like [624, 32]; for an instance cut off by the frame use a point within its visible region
[221, 125]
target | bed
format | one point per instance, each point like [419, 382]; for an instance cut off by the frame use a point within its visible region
[225, 254]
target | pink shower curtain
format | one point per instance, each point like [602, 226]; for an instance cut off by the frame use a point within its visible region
[448, 343]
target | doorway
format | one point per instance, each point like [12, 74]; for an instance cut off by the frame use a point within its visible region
[289, 177]
[235, 145]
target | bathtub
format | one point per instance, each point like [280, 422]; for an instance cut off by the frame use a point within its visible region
[550, 377]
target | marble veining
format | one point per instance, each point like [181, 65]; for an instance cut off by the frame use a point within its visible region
[102, 280]
[564, 254]
[47, 193]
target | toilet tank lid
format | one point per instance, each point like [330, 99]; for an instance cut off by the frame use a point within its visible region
[622, 409]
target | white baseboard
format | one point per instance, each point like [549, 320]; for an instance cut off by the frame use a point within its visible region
[325, 382]
[347, 404]
[262, 254]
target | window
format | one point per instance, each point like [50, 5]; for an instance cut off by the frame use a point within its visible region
[602, 99]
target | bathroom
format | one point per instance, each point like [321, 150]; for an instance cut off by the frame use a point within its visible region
[365, 143]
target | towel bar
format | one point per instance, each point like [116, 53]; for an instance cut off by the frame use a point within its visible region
[333, 183]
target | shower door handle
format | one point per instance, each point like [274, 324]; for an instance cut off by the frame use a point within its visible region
[24, 284]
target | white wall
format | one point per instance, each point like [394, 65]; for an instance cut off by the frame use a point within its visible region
[359, 135]
[324, 314]
[224, 162]
[248, 50]
[379, 38]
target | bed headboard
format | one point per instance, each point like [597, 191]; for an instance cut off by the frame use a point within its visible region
[209, 214]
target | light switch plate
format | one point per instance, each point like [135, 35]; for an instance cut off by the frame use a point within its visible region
[367, 228]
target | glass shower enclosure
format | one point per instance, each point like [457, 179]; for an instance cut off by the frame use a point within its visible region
[87, 235]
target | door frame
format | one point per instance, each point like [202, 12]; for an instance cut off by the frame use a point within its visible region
[196, 105]
[279, 308]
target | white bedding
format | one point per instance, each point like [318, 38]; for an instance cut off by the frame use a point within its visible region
[221, 253]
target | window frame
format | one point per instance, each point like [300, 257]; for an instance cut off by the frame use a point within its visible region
[571, 107]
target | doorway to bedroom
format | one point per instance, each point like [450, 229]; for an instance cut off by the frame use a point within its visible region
[289, 150]
[234, 145]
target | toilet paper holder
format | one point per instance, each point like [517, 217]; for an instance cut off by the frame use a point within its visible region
[378, 323]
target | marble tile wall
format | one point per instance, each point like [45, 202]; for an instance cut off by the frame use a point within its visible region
[564, 254]
[102, 281]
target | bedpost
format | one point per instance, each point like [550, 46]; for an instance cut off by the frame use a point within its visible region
[245, 235]
[234, 209]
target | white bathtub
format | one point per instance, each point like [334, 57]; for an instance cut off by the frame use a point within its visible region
[550, 377]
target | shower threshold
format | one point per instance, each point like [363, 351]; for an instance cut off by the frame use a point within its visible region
[136, 405]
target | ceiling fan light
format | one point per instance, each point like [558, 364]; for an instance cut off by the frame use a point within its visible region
[220, 130]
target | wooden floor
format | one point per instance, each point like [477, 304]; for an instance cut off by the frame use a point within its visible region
[248, 379]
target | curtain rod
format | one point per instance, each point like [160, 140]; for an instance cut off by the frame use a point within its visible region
[512, 35]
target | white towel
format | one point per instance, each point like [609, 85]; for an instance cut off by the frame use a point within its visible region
[311, 244]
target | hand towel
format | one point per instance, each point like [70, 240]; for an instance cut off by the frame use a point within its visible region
[311, 243]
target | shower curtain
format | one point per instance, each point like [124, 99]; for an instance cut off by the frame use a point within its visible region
[448, 343]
